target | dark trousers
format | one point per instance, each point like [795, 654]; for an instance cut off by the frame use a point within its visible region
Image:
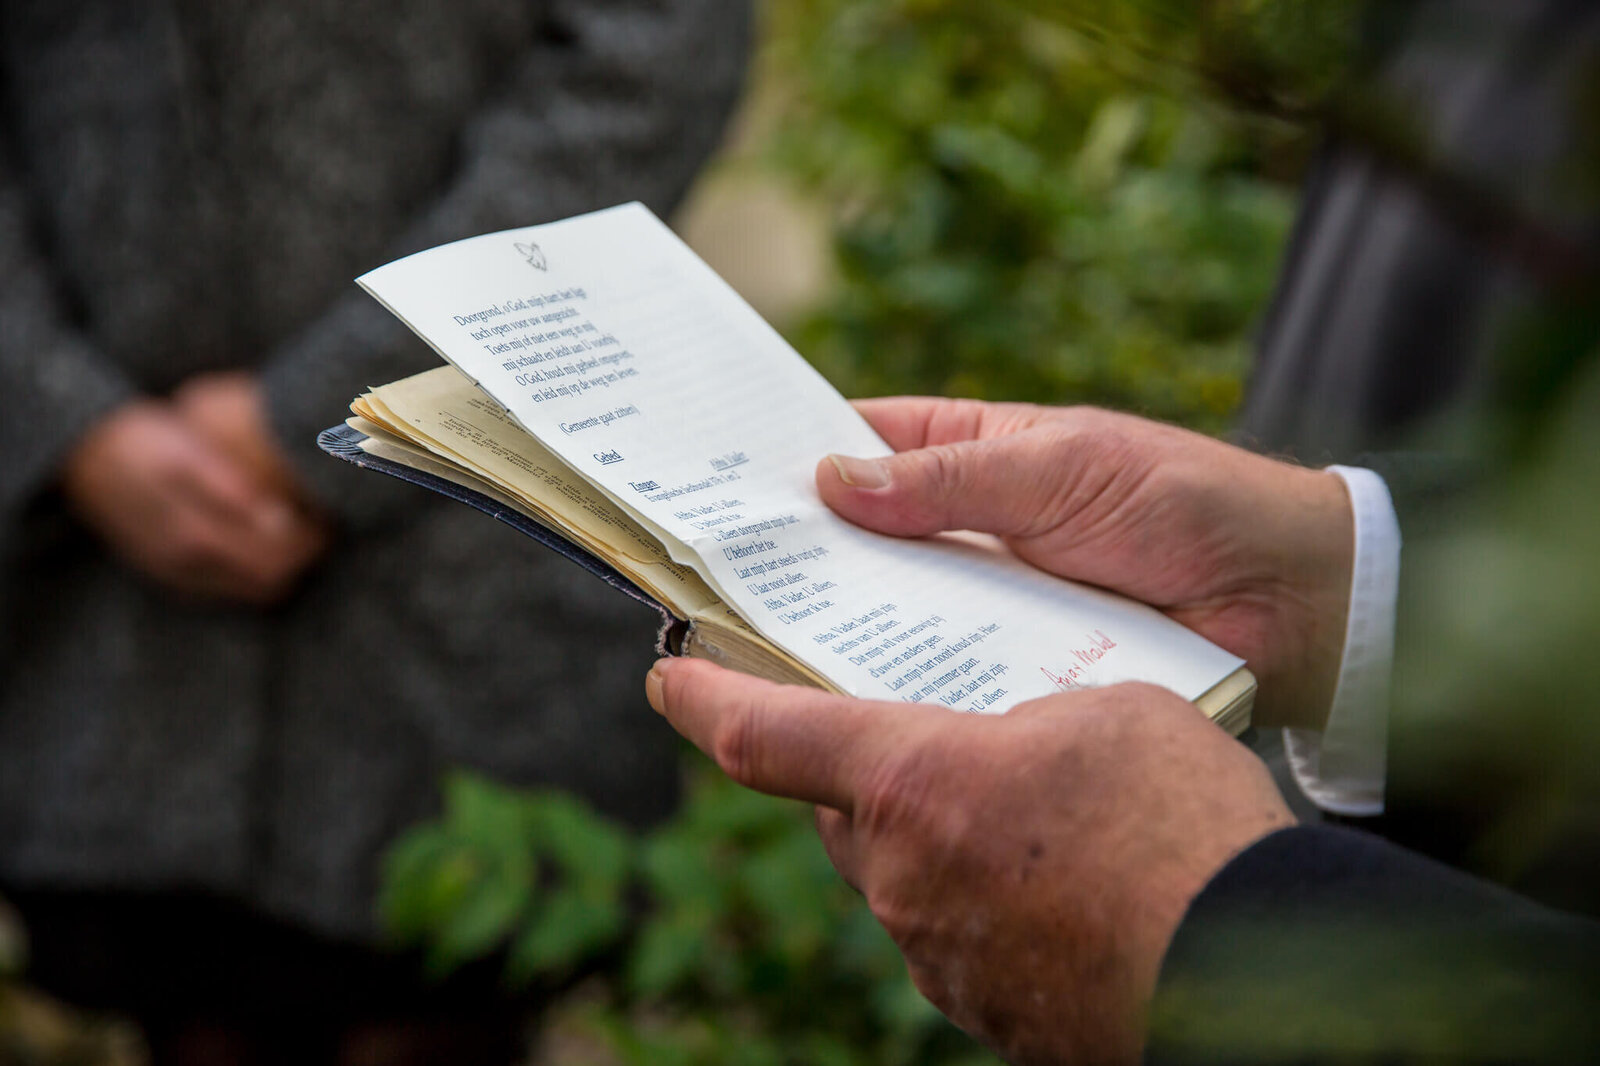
[215, 984]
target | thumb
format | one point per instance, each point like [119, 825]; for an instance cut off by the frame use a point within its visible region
[782, 739]
[1009, 486]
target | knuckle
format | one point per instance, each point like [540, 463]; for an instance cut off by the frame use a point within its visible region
[955, 417]
[909, 797]
[1096, 468]
[886, 791]
[1106, 440]
[734, 744]
[1039, 706]
[964, 412]
[1136, 707]
[945, 471]
[1145, 691]
[1144, 697]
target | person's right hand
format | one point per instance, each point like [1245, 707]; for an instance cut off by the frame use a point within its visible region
[1031, 866]
[181, 511]
[1252, 553]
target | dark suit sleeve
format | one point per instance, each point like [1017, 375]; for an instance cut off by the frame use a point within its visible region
[1424, 484]
[1321, 944]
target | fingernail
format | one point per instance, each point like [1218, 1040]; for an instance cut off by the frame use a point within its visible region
[861, 473]
[652, 686]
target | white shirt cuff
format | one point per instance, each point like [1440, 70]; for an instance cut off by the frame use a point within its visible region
[1341, 768]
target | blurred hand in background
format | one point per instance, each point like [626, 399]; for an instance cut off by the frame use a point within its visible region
[195, 493]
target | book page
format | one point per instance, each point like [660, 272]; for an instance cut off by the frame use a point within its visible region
[446, 413]
[615, 346]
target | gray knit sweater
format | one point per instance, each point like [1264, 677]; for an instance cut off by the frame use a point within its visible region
[189, 185]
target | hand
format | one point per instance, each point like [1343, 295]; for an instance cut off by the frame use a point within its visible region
[1252, 553]
[184, 513]
[1032, 866]
[229, 410]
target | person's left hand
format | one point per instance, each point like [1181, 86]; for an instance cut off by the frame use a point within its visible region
[1032, 866]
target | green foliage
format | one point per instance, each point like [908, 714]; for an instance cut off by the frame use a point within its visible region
[536, 874]
[1273, 57]
[1016, 215]
[748, 949]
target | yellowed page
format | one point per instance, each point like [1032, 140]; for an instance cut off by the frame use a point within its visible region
[444, 412]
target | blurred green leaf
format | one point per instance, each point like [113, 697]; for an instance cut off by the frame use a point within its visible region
[678, 872]
[567, 926]
[667, 953]
[426, 872]
[482, 917]
[595, 854]
[490, 816]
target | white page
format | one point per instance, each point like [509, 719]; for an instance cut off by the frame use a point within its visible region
[618, 348]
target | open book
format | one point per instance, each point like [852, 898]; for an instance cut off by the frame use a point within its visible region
[610, 395]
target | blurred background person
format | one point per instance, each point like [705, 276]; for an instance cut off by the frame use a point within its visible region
[231, 668]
